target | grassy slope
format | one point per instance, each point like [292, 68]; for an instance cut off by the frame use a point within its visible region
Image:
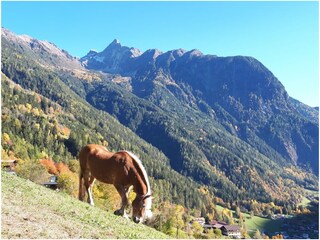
[32, 211]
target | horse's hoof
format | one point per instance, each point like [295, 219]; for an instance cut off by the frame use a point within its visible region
[118, 212]
[126, 216]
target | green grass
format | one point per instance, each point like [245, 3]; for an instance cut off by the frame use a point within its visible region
[309, 195]
[263, 224]
[32, 211]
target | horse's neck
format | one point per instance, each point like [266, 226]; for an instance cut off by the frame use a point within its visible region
[142, 186]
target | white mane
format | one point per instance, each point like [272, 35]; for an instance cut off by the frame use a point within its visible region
[148, 201]
[144, 172]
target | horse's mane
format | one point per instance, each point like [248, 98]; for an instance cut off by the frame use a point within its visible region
[143, 170]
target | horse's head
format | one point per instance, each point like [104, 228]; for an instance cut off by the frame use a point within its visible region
[141, 208]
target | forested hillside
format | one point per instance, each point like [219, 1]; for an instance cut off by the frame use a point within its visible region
[36, 128]
[244, 149]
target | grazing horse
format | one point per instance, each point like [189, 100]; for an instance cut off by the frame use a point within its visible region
[122, 169]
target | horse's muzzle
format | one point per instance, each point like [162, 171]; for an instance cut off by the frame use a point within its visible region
[136, 219]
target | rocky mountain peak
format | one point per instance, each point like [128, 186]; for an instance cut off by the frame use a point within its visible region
[113, 59]
[116, 42]
[195, 52]
[115, 48]
[45, 49]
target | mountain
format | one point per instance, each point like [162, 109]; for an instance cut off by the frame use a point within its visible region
[238, 92]
[44, 52]
[223, 123]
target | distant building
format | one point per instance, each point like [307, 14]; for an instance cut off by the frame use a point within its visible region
[231, 231]
[214, 224]
[9, 166]
[53, 184]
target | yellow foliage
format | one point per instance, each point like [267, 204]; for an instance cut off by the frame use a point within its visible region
[51, 110]
[69, 182]
[6, 138]
[96, 192]
[278, 236]
[197, 229]
[37, 98]
[17, 123]
[132, 196]
[74, 165]
[204, 190]
[29, 107]
[105, 143]
[63, 131]
[35, 112]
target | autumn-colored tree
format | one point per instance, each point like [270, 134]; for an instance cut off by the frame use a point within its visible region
[244, 231]
[49, 165]
[68, 181]
[74, 165]
[171, 220]
[62, 168]
[238, 212]
[217, 232]
[6, 139]
[227, 216]
[106, 196]
[278, 236]
[177, 220]
[257, 235]
[32, 170]
[264, 236]
[197, 229]
[210, 211]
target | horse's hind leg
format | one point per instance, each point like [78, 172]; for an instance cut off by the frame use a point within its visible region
[123, 191]
[88, 183]
[81, 190]
[90, 197]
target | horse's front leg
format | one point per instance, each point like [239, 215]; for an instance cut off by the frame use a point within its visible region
[123, 191]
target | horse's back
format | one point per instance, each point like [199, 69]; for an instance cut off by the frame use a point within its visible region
[104, 165]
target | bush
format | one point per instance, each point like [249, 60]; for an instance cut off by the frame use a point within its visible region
[68, 182]
[32, 170]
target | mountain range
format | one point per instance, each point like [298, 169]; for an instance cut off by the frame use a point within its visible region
[226, 123]
[249, 99]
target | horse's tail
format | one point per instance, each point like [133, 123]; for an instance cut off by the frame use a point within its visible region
[81, 184]
[82, 161]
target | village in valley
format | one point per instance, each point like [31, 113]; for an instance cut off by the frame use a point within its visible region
[232, 231]
[280, 227]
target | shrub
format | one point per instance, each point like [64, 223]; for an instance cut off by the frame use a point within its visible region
[32, 170]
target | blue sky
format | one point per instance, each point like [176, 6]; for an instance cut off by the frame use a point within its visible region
[284, 36]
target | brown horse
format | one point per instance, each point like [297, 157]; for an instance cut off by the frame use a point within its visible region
[122, 169]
